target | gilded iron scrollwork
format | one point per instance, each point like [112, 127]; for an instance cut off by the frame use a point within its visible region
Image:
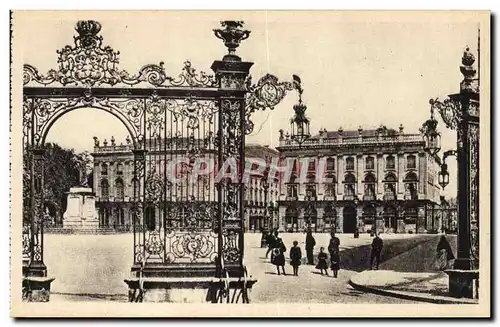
[266, 94]
[89, 63]
[474, 188]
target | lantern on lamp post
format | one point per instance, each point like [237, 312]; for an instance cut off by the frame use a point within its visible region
[299, 122]
[432, 136]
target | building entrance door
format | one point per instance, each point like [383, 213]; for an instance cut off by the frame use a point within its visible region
[349, 220]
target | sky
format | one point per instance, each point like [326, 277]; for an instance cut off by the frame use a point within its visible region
[356, 70]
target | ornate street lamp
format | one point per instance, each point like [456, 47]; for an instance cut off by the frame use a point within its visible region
[432, 137]
[299, 122]
[461, 112]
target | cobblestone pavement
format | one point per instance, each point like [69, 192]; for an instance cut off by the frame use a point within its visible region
[93, 267]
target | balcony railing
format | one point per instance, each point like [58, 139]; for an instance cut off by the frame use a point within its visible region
[349, 197]
[369, 197]
[354, 140]
[389, 197]
[329, 198]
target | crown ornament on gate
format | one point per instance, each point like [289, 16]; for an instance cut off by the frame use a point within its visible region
[87, 33]
[232, 35]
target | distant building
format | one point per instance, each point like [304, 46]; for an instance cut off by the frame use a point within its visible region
[114, 187]
[380, 177]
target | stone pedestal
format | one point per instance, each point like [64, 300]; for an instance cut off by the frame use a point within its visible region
[80, 212]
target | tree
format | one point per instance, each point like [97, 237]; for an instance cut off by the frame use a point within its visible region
[61, 172]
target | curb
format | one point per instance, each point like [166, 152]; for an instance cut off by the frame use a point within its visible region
[407, 295]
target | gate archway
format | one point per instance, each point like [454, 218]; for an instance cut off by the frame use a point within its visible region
[171, 120]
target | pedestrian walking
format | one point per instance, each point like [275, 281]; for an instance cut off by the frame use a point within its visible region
[271, 243]
[279, 256]
[334, 250]
[295, 257]
[310, 244]
[377, 245]
[322, 264]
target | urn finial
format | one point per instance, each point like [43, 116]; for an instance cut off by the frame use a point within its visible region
[232, 35]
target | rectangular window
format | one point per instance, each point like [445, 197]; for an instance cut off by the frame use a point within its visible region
[370, 163]
[349, 163]
[390, 163]
[330, 164]
[411, 162]
[312, 165]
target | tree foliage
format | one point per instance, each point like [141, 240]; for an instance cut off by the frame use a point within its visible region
[61, 172]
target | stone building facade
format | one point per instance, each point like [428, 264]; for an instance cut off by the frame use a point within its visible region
[380, 178]
[113, 177]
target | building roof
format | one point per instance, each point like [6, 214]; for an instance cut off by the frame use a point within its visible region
[355, 133]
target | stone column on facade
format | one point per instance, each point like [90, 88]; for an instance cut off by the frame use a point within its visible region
[401, 227]
[359, 218]
[320, 176]
[359, 175]
[320, 225]
[281, 226]
[339, 219]
[380, 173]
[422, 175]
[400, 175]
[340, 176]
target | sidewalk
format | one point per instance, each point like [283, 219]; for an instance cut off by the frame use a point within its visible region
[429, 287]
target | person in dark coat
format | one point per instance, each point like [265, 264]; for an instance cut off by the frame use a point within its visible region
[271, 242]
[295, 257]
[310, 244]
[377, 245]
[322, 264]
[334, 250]
[444, 253]
[279, 256]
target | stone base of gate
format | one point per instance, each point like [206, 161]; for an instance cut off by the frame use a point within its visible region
[189, 289]
[35, 283]
[36, 289]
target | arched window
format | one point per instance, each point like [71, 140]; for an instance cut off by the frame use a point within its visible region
[411, 162]
[104, 169]
[119, 169]
[330, 187]
[390, 181]
[369, 163]
[350, 185]
[411, 181]
[120, 193]
[292, 189]
[390, 163]
[370, 182]
[104, 189]
[349, 163]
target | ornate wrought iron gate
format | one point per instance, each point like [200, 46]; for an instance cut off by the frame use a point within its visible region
[172, 123]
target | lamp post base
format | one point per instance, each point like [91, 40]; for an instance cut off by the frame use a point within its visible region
[463, 283]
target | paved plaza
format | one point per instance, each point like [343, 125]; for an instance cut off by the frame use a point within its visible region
[93, 267]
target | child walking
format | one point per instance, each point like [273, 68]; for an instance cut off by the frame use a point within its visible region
[295, 258]
[322, 264]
